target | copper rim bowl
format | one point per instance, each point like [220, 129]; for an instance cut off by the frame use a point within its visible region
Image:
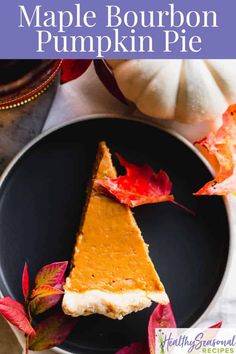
[31, 85]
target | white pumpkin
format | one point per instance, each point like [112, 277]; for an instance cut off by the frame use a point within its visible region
[185, 90]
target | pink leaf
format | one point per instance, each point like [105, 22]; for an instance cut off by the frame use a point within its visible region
[52, 331]
[161, 317]
[135, 348]
[25, 281]
[51, 274]
[15, 313]
[217, 325]
[140, 185]
[43, 298]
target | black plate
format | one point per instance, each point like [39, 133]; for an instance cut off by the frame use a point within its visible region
[41, 201]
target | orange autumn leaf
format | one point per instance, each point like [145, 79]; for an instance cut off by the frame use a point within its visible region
[210, 158]
[222, 147]
[140, 185]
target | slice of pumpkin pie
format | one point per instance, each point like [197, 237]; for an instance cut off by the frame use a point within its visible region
[112, 273]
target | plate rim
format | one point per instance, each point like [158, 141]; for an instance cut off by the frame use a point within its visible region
[151, 122]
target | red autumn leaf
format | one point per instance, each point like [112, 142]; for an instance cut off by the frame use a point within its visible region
[106, 76]
[141, 185]
[72, 69]
[15, 313]
[161, 317]
[52, 331]
[135, 348]
[43, 298]
[222, 146]
[51, 274]
[217, 325]
[25, 282]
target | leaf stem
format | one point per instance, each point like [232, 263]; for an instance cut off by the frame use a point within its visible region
[28, 311]
[27, 344]
[27, 304]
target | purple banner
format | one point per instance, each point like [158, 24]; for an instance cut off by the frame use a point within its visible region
[117, 29]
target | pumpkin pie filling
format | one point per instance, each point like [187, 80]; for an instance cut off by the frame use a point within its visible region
[111, 261]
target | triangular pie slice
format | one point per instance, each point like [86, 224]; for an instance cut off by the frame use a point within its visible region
[112, 273]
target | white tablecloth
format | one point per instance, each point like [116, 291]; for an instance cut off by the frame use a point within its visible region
[86, 96]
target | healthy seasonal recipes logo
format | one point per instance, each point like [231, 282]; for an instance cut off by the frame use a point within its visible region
[213, 340]
[115, 29]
